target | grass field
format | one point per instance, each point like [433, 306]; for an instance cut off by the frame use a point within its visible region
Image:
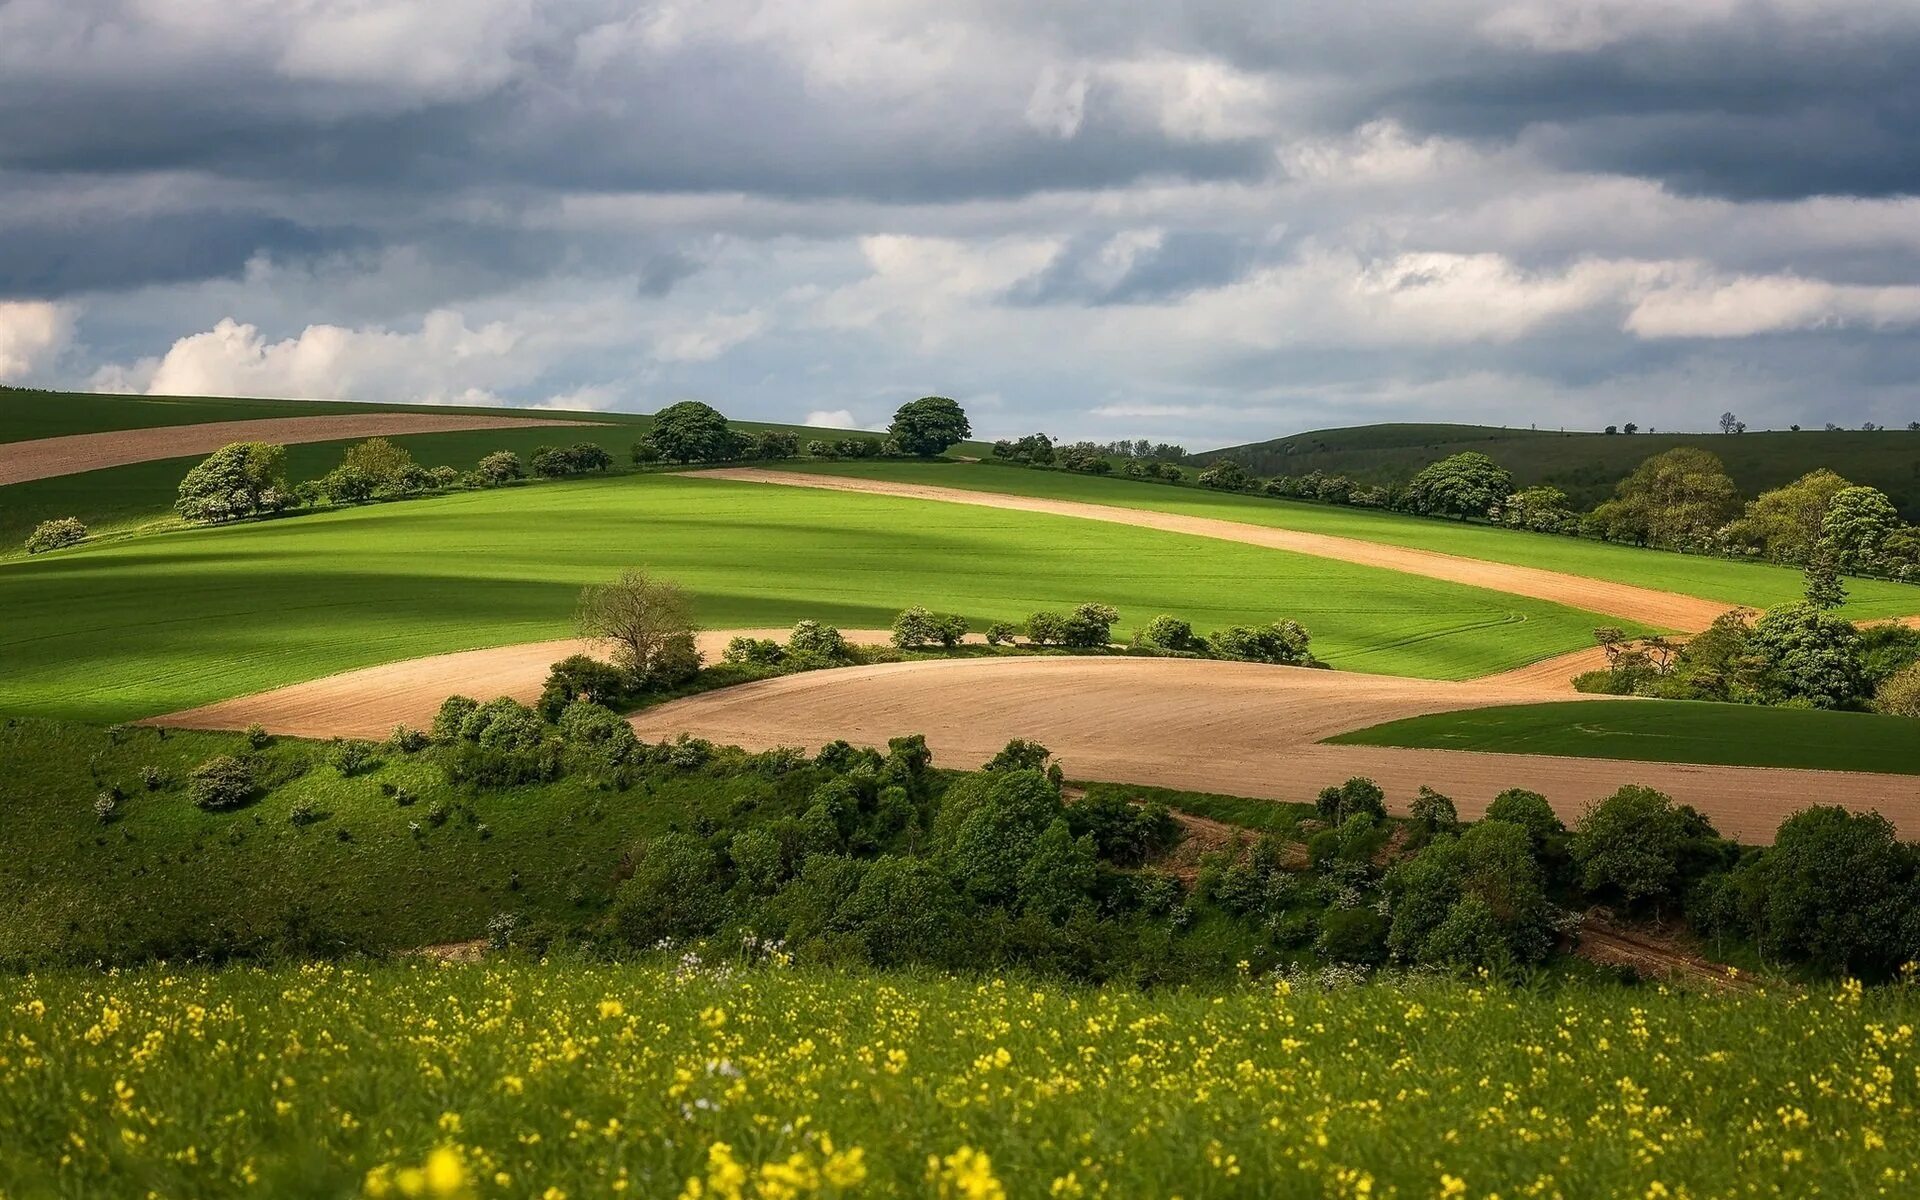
[171, 620]
[1587, 465]
[1682, 731]
[572, 1080]
[1758, 585]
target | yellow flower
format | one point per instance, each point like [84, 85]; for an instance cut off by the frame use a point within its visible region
[1452, 1185]
[610, 1008]
[966, 1174]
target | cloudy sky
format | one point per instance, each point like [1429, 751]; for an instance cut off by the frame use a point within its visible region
[1210, 222]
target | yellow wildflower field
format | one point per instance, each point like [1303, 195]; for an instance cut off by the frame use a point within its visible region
[678, 1080]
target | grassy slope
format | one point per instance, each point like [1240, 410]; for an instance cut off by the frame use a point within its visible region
[142, 493]
[158, 623]
[586, 1080]
[1685, 731]
[1760, 585]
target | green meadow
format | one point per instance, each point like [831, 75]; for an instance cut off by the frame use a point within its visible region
[1753, 584]
[161, 622]
[1683, 731]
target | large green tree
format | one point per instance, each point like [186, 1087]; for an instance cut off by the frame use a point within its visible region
[691, 432]
[1783, 524]
[1856, 526]
[1460, 485]
[241, 479]
[928, 426]
[1680, 498]
[1809, 654]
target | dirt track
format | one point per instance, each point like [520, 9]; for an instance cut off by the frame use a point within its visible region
[44, 458]
[1665, 610]
[1235, 728]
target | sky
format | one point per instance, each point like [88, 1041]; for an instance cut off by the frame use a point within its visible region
[1209, 222]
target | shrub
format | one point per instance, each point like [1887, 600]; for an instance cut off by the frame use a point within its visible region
[221, 783]
[1169, 634]
[502, 466]
[494, 744]
[917, 626]
[1047, 629]
[1283, 642]
[350, 756]
[104, 806]
[1002, 633]
[407, 740]
[1124, 834]
[1353, 935]
[152, 778]
[577, 459]
[581, 677]
[1433, 812]
[775, 443]
[819, 449]
[757, 652]
[821, 641]
[1531, 812]
[56, 534]
[1019, 755]
[442, 477]
[1900, 694]
[348, 485]
[599, 743]
[453, 713]
[1837, 889]
[903, 910]
[1357, 795]
[303, 813]
[258, 737]
[1471, 900]
[1090, 626]
[1229, 476]
[1637, 845]
[671, 894]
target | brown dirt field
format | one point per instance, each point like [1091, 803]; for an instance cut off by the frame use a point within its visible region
[1664, 610]
[1234, 728]
[44, 458]
[369, 702]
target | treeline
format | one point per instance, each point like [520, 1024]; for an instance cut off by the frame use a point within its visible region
[1682, 499]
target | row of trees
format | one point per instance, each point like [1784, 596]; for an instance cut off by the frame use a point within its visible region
[692, 432]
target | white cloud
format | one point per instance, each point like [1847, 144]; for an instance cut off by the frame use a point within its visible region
[32, 335]
[1758, 304]
[708, 338]
[445, 361]
[1059, 102]
[1194, 99]
[838, 418]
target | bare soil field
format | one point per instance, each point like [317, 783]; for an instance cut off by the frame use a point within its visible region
[44, 458]
[1648, 606]
[1234, 728]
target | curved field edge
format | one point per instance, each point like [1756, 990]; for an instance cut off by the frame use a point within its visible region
[1009, 1083]
[1677, 731]
[1725, 581]
[169, 621]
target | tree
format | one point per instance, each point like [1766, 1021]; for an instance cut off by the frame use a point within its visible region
[1630, 846]
[1630, 427]
[989, 826]
[1357, 795]
[1899, 693]
[1035, 448]
[775, 443]
[915, 627]
[1473, 899]
[1167, 633]
[1679, 498]
[1461, 485]
[1283, 642]
[672, 893]
[1785, 523]
[814, 640]
[929, 426]
[1433, 812]
[577, 459]
[1836, 889]
[1227, 476]
[348, 484]
[580, 677]
[1855, 528]
[1090, 626]
[56, 534]
[241, 479]
[380, 460]
[1823, 588]
[502, 466]
[647, 622]
[1541, 508]
[1809, 654]
[1729, 422]
[690, 432]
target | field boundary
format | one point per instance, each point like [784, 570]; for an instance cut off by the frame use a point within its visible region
[77, 453]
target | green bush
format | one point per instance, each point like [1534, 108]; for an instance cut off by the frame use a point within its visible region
[56, 534]
[820, 641]
[1047, 629]
[753, 652]
[582, 677]
[1283, 642]
[1089, 626]
[221, 783]
[1002, 633]
[1637, 847]
[257, 736]
[350, 756]
[673, 893]
[1169, 634]
[1471, 900]
[1356, 795]
[1353, 935]
[347, 485]
[1433, 812]
[242, 479]
[502, 466]
[1837, 889]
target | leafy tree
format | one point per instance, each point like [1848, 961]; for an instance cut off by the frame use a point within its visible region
[242, 479]
[1035, 448]
[989, 826]
[1461, 485]
[1856, 526]
[1002, 633]
[1019, 755]
[1541, 508]
[824, 642]
[502, 466]
[347, 484]
[1785, 523]
[1434, 812]
[1168, 634]
[1353, 935]
[1083, 456]
[1837, 889]
[1900, 693]
[775, 443]
[690, 432]
[673, 893]
[1809, 654]
[1635, 846]
[581, 677]
[904, 911]
[577, 459]
[648, 623]
[380, 460]
[929, 426]
[1090, 626]
[1226, 476]
[1472, 899]
[919, 626]
[56, 534]
[1822, 586]
[1047, 629]
[1356, 796]
[221, 783]
[1679, 498]
[1059, 873]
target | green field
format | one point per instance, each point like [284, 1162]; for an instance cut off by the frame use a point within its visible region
[142, 494]
[1587, 465]
[1682, 731]
[163, 622]
[1757, 585]
[575, 1080]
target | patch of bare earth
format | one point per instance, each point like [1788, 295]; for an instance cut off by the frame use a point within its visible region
[44, 458]
[1651, 954]
[1648, 606]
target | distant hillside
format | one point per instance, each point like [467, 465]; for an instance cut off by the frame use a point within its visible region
[1586, 465]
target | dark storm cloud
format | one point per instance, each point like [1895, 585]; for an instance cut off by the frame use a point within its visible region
[52, 261]
[1172, 265]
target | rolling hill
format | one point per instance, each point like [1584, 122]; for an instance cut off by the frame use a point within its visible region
[1587, 465]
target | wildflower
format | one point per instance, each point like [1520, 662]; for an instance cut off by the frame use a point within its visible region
[610, 1008]
[966, 1174]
